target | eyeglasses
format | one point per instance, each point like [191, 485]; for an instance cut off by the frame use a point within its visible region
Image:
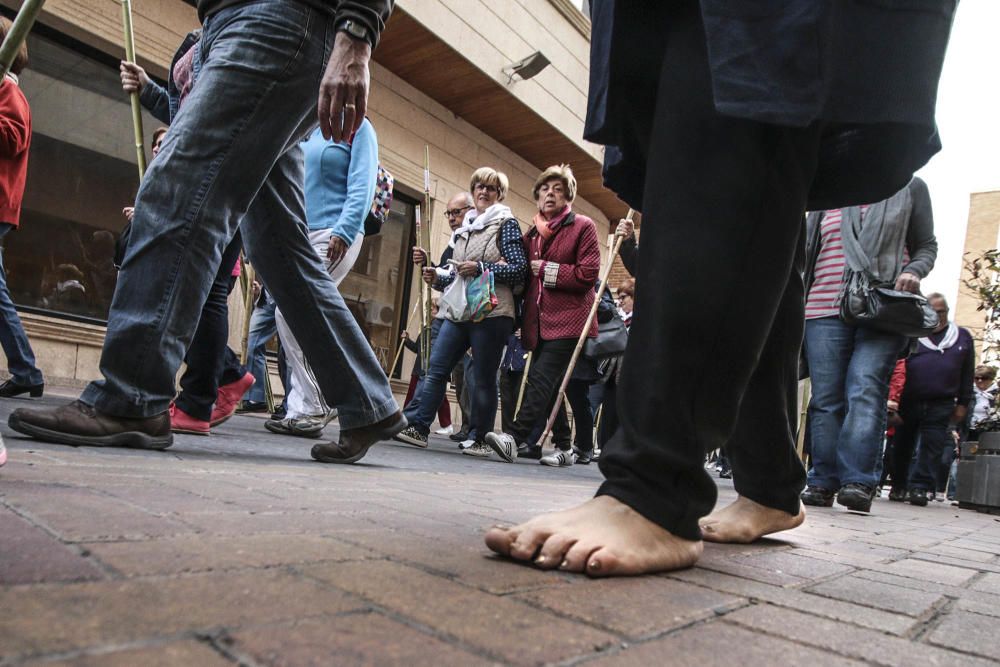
[486, 188]
[455, 212]
[982, 377]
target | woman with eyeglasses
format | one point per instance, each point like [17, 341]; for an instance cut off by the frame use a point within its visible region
[489, 238]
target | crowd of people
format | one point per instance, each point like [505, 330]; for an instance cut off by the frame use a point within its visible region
[710, 133]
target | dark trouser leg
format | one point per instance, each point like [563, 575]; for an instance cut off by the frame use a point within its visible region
[510, 385]
[934, 438]
[444, 413]
[20, 357]
[232, 369]
[609, 413]
[410, 390]
[206, 356]
[488, 340]
[723, 206]
[548, 366]
[458, 381]
[579, 400]
[905, 441]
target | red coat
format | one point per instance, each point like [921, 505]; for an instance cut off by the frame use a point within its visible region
[15, 138]
[558, 300]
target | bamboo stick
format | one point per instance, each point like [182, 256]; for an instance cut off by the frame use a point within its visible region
[140, 152]
[395, 359]
[425, 243]
[18, 32]
[547, 433]
[246, 282]
[524, 384]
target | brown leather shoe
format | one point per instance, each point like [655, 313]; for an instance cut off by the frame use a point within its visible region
[80, 425]
[354, 443]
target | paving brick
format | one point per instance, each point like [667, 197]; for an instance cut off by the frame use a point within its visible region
[354, 639]
[844, 639]
[988, 583]
[172, 654]
[947, 549]
[958, 562]
[803, 601]
[635, 608]
[878, 595]
[973, 633]
[201, 553]
[289, 523]
[491, 623]
[30, 555]
[51, 618]
[930, 571]
[719, 644]
[735, 567]
[793, 564]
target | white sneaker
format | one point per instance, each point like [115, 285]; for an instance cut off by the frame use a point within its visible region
[465, 444]
[504, 445]
[479, 450]
[3, 452]
[447, 430]
[558, 459]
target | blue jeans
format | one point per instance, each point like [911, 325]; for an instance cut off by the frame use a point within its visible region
[487, 340]
[262, 329]
[232, 158]
[20, 358]
[850, 369]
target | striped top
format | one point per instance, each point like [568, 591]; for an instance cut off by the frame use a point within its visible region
[823, 299]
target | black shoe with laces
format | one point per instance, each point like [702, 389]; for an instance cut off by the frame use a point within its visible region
[917, 497]
[897, 495]
[817, 496]
[461, 436]
[582, 457]
[857, 497]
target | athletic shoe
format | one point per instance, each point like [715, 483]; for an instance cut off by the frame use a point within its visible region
[3, 452]
[479, 450]
[251, 406]
[465, 444]
[411, 436]
[857, 497]
[526, 451]
[228, 398]
[725, 473]
[504, 445]
[279, 412]
[582, 458]
[461, 436]
[917, 497]
[302, 427]
[447, 430]
[558, 459]
[897, 495]
[182, 422]
[817, 496]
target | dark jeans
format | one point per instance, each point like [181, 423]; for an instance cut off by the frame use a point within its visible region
[510, 387]
[458, 381]
[719, 295]
[210, 362]
[925, 422]
[549, 362]
[487, 340]
[20, 357]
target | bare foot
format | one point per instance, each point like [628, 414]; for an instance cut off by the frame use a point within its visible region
[602, 537]
[745, 521]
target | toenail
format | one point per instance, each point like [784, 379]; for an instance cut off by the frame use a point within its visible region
[595, 565]
[563, 565]
[540, 560]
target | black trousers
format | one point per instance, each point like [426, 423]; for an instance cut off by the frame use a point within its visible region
[549, 362]
[210, 362]
[926, 422]
[718, 321]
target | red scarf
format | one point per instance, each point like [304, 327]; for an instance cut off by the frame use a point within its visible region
[547, 228]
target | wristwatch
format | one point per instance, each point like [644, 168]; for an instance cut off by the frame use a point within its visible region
[355, 30]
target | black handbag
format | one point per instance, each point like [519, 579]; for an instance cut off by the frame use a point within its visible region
[611, 341]
[880, 307]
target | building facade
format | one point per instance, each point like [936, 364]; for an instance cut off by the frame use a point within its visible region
[440, 79]
[981, 234]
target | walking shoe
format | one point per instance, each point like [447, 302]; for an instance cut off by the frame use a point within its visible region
[80, 425]
[445, 430]
[354, 443]
[279, 412]
[411, 436]
[503, 445]
[9, 389]
[582, 458]
[251, 406]
[228, 398]
[302, 427]
[478, 449]
[3, 452]
[725, 473]
[465, 444]
[182, 422]
[897, 495]
[817, 496]
[526, 451]
[857, 497]
[917, 497]
[558, 459]
[461, 436]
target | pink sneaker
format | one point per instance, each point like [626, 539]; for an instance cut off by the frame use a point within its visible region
[229, 398]
[3, 452]
[182, 422]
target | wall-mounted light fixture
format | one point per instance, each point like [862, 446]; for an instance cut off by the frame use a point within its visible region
[527, 67]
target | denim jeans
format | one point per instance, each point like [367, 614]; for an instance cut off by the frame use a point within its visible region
[924, 433]
[20, 358]
[262, 329]
[487, 340]
[850, 369]
[232, 158]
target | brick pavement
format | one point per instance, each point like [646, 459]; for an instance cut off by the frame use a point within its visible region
[237, 549]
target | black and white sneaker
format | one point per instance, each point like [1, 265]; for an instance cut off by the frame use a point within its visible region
[411, 436]
[479, 450]
[559, 459]
[504, 445]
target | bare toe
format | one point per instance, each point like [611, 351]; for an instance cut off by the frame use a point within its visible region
[604, 563]
[576, 557]
[554, 551]
[526, 545]
[499, 539]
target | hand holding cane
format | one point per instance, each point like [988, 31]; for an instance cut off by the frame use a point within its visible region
[547, 433]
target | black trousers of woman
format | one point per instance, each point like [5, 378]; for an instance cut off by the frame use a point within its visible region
[210, 362]
[713, 349]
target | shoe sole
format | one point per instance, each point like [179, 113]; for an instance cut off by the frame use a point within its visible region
[126, 440]
[918, 503]
[858, 505]
[556, 465]
[821, 503]
[407, 440]
[477, 455]
[293, 432]
[221, 420]
[387, 433]
[189, 431]
[494, 443]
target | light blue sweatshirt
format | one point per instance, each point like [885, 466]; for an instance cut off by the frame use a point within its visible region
[340, 181]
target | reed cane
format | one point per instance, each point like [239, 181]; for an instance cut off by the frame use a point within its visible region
[425, 243]
[18, 32]
[524, 384]
[547, 433]
[395, 359]
[140, 153]
[246, 282]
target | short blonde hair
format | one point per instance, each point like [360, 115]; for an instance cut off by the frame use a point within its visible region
[490, 176]
[21, 57]
[561, 172]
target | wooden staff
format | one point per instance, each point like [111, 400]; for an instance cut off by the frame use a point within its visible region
[524, 384]
[18, 32]
[425, 243]
[140, 152]
[246, 282]
[583, 335]
[399, 350]
[424, 300]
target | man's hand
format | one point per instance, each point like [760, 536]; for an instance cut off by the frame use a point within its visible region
[908, 282]
[419, 256]
[958, 414]
[343, 92]
[128, 212]
[405, 335]
[468, 269]
[255, 288]
[134, 78]
[336, 250]
[428, 275]
[625, 228]
[536, 266]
